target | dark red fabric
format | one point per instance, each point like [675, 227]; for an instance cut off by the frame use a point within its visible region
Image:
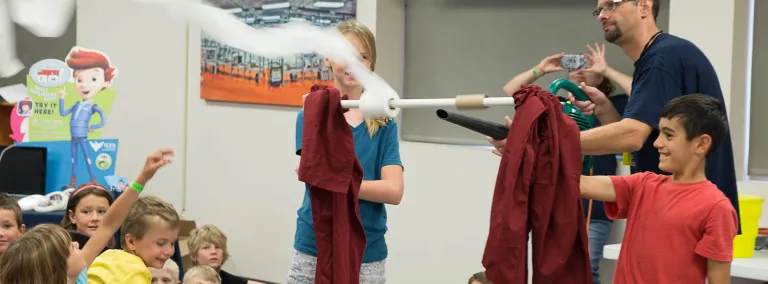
[537, 189]
[329, 165]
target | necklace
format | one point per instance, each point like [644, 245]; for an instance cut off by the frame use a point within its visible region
[648, 44]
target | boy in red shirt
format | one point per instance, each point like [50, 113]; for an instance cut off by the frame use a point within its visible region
[680, 228]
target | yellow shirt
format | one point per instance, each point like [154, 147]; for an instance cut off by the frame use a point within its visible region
[117, 267]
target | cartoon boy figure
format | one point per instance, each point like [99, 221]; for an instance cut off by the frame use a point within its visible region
[121, 185]
[25, 108]
[92, 73]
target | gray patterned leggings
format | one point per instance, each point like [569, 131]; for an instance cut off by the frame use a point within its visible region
[303, 270]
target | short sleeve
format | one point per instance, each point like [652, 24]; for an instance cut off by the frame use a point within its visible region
[625, 187]
[719, 231]
[652, 89]
[299, 131]
[391, 146]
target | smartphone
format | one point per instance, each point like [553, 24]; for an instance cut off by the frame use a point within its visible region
[572, 62]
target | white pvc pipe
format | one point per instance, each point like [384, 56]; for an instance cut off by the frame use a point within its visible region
[432, 103]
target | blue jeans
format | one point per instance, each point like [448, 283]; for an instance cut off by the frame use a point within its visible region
[598, 237]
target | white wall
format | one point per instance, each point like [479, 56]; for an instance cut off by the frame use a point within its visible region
[236, 161]
[149, 109]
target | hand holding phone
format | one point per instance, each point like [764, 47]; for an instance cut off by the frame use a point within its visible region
[572, 62]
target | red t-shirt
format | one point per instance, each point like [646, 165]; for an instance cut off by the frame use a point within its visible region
[672, 229]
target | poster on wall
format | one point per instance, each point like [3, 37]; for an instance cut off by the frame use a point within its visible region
[67, 100]
[66, 108]
[230, 74]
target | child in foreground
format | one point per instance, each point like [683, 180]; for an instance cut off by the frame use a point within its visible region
[148, 236]
[169, 274]
[680, 228]
[47, 254]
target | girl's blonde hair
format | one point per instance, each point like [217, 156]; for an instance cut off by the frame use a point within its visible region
[38, 257]
[366, 38]
[202, 272]
[207, 234]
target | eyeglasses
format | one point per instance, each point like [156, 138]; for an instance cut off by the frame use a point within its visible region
[609, 7]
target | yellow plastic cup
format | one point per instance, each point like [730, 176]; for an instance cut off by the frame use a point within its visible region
[750, 207]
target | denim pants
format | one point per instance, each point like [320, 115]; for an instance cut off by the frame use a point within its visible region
[598, 237]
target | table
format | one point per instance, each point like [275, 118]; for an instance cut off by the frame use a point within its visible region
[34, 218]
[750, 268]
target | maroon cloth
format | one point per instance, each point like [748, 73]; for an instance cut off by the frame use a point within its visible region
[329, 165]
[537, 189]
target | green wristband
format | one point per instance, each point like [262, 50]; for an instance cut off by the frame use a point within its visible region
[534, 71]
[136, 186]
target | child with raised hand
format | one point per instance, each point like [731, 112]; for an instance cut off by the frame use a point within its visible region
[680, 228]
[47, 254]
[148, 236]
[11, 226]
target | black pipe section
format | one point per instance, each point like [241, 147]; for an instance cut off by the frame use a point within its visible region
[491, 129]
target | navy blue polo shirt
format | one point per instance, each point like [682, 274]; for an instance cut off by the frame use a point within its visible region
[673, 67]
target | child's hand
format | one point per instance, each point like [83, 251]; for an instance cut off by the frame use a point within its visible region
[155, 161]
[62, 94]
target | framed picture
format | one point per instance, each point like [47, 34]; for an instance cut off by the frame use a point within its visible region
[230, 74]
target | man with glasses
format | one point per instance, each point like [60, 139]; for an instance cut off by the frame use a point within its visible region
[666, 67]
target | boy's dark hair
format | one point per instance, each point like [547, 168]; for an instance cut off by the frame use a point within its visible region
[479, 277]
[699, 114]
[8, 203]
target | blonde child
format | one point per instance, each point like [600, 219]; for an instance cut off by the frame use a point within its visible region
[148, 236]
[169, 274]
[378, 149]
[202, 274]
[11, 226]
[479, 278]
[208, 246]
[47, 254]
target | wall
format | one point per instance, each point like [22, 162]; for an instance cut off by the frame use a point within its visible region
[149, 110]
[236, 160]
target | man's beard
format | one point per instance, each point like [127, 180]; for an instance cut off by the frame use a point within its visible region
[613, 35]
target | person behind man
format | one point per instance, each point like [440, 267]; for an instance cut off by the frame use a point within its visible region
[666, 67]
[680, 228]
[598, 75]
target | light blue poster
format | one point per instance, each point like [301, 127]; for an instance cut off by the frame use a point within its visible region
[93, 168]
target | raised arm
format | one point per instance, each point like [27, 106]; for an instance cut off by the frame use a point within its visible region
[63, 111]
[117, 213]
[596, 58]
[597, 188]
[547, 65]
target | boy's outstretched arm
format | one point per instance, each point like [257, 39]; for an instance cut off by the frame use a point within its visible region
[117, 213]
[718, 272]
[597, 188]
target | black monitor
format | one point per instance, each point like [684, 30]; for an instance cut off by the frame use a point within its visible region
[22, 170]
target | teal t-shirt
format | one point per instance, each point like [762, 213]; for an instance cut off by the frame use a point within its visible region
[83, 277]
[383, 149]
